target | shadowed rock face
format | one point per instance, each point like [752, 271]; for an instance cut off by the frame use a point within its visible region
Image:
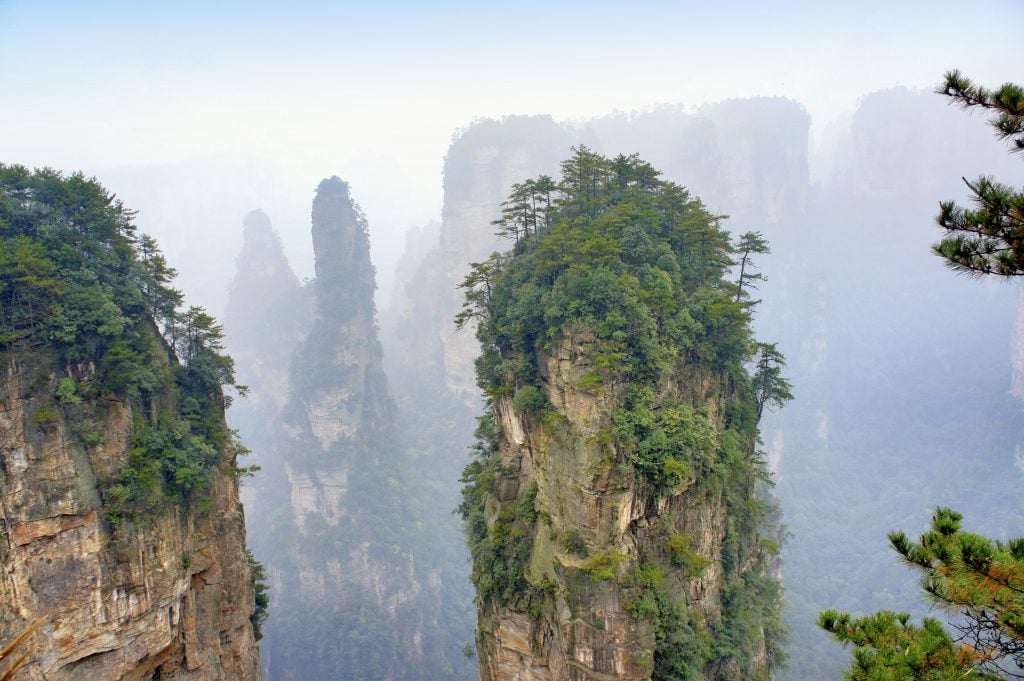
[341, 246]
[170, 598]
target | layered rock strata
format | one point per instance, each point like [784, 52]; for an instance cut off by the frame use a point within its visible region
[167, 598]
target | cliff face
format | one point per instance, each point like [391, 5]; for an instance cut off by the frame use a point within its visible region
[604, 545]
[170, 599]
[122, 543]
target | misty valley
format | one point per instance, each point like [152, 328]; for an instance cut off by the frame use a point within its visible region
[674, 394]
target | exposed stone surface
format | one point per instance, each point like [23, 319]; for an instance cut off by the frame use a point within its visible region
[585, 630]
[170, 599]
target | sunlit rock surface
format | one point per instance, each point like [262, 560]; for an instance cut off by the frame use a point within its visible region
[169, 598]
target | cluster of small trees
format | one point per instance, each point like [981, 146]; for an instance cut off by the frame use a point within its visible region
[617, 214]
[74, 272]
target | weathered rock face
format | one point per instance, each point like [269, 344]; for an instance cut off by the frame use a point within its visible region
[587, 621]
[169, 598]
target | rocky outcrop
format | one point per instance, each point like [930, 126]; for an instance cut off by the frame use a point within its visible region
[606, 549]
[167, 598]
[344, 521]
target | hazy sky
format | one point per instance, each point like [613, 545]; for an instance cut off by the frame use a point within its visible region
[279, 95]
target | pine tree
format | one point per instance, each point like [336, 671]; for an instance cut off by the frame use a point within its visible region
[747, 245]
[988, 239]
[771, 388]
[965, 573]
[479, 285]
[976, 578]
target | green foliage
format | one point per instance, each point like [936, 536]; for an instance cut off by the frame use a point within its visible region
[887, 646]
[751, 611]
[530, 400]
[77, 279]
[44, 415]
[75, 275]
[669, 442]
[683, 647]
[500, 552]
[771, 389]
[591, 383]
[572, 541]
[986, 239]
[749, 244]
[604, 565]
[1006, 103]
[980, 578]
[680, 548]
[170, 461]
[261, 594]
[67, 392]
[633, 257]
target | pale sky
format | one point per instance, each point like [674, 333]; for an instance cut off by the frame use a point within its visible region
[231, 106]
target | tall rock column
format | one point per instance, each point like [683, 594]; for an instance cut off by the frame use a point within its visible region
[612, 507]
[356, 594]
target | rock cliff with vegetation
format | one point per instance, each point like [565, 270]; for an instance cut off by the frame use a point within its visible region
[122, 548]
[614, 507]
[482, 164]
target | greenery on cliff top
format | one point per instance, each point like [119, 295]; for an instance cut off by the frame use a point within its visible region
[640, 270]
[78, 281]
[643, 266]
